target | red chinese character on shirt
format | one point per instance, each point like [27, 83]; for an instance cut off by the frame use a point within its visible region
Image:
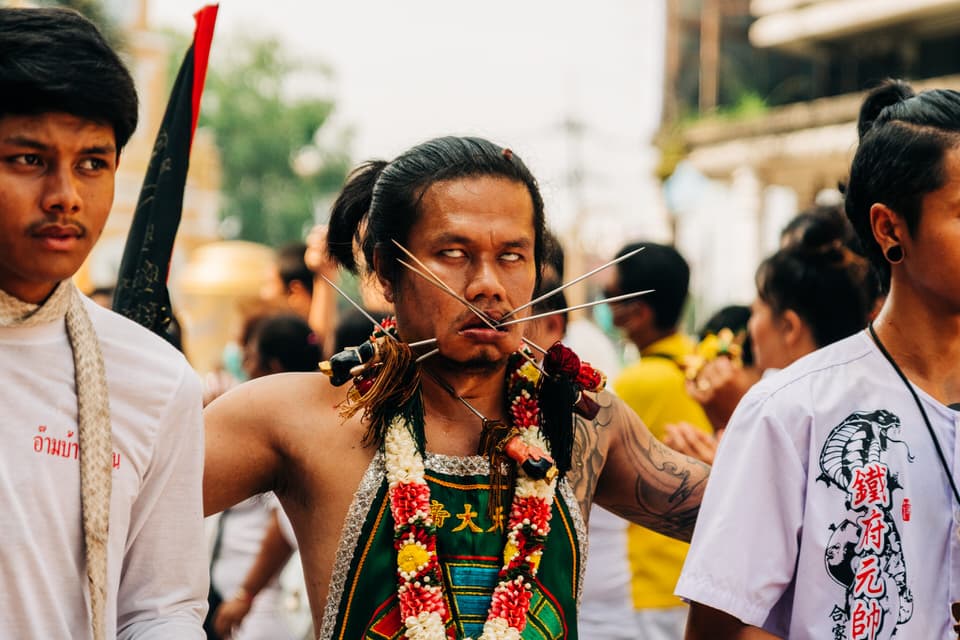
[867, 580]
[869, 486]
[873, 531]
[865, 620]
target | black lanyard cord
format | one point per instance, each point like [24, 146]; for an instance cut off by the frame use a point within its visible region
[923, 413]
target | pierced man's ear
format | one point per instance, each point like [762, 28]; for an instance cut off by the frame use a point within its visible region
[385, 285]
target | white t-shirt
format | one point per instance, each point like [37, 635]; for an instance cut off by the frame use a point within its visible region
[244, 526]
[156, 565]
[828, 514]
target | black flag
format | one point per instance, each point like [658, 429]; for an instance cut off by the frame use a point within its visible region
[142, 293]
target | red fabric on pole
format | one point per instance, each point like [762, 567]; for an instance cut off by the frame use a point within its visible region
[205, 18]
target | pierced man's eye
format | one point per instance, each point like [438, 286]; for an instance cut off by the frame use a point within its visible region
[452, 253]
[511, 257]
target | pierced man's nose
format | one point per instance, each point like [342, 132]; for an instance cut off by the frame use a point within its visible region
[484, 282]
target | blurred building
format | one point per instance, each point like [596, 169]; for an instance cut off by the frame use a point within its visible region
[149, 56]
[771, 90]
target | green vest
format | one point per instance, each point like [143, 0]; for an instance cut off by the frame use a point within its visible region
[362, 602]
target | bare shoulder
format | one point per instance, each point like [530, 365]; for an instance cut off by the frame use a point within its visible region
[259, 433]
[274, 408]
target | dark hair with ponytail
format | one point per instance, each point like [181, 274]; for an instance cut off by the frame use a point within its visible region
[903, 139]
[380, 201]
[826, 284]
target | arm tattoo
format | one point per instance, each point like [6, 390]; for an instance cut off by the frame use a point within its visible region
[588, 454]
[667, 487]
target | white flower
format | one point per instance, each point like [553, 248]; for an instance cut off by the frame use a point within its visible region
[403, 461]
[498, 629]
[532, 437]
[426, 625]
[526, 487]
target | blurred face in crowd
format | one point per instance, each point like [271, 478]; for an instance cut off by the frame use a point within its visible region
[767, 335]
[272, 289]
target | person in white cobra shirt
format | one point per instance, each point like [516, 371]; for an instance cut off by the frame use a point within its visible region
[101, 468]
[832, 510]
[606, 609]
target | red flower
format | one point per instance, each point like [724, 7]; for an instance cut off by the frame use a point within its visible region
[561, 360]
[534, 509]
[524, 411]
[415, 599]
[511, 602]
[406, 498]
[590, 379]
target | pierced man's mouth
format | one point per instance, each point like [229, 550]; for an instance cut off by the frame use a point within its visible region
[478, 323]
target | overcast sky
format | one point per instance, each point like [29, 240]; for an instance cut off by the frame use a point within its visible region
[511, 71]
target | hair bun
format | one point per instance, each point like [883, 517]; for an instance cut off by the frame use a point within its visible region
[887, 93]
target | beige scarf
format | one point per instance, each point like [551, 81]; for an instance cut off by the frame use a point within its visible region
[93, 426]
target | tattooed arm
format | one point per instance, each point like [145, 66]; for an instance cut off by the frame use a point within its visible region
[631, 473]
[590, 444]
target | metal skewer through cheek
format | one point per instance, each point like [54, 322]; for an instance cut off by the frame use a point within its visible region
[594, 303]
[572, 282]
[439, 283]
[443, 383]
[355, 305]
[369, 317]
[431, 277]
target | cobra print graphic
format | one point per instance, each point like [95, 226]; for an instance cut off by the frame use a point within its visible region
[864, 554]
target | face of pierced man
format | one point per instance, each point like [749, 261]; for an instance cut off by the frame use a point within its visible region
[477, 235]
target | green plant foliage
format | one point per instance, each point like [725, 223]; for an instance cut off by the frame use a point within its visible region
[261, 129]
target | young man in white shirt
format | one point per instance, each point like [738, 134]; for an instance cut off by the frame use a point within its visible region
[833, 509]
[100, 472]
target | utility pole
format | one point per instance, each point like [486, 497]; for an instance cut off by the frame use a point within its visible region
[710, 15]
[671, 62]
[574, 130]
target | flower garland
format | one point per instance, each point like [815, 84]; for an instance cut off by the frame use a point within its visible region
[419, 581]
[723, 344]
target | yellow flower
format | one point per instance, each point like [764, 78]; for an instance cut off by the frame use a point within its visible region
[535, 560]
[709, 347]
[724, 343]
[529, 371]
[411, 557]
[509, 551]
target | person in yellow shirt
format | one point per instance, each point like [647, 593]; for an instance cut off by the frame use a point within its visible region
[654, 387]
